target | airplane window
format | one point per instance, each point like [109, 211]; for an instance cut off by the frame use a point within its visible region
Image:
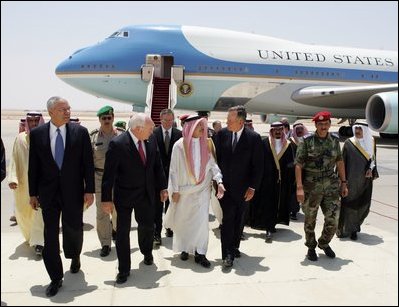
[125, 34]
[114, 34]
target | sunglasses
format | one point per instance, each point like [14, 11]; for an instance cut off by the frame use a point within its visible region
[106, 117]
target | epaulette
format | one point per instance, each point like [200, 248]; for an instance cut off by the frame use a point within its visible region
[335, 135]
[94, 131]
[308, 135]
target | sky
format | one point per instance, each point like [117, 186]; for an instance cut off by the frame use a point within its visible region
[36, 36]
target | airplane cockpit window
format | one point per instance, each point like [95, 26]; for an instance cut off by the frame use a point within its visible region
[119, 34]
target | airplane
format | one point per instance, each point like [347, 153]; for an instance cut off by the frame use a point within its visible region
[153, 67]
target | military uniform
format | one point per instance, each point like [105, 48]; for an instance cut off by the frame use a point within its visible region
[318, 157]
[100, 143]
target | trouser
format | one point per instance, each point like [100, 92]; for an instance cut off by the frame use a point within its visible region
[104, 226]
[144, 215]
[72, 235]
[330, 206]
[232, 224]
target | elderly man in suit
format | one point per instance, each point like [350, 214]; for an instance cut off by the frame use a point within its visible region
[133, 169]
[166, 137]
[61, 181]
[240, 158]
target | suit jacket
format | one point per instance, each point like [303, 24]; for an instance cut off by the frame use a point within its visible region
[166, 156]
[76, 176]
[243, 168]
[126, 175]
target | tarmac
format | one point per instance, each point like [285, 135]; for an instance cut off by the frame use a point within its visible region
[365, 272]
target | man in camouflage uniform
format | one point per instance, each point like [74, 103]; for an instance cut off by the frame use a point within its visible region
[318, 183]
[100, 139]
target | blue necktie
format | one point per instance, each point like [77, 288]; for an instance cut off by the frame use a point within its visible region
[234, 141]
[59, 149]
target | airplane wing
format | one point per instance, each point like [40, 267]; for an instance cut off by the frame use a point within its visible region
[339, 96]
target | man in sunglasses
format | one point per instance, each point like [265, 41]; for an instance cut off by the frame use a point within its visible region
[100, 139]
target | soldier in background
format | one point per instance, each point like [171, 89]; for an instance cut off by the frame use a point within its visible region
[299, 131]
[318, 183]
[74, 120]
[100, 139]
[205, 114]
[121, 124]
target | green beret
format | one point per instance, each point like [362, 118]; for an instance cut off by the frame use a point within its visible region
[121, 124]
[105, 111]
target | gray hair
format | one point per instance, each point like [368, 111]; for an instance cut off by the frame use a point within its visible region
[53, 101]
[138, 120]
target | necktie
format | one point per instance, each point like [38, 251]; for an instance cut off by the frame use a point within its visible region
[167, 141]
[141, 152]
[234, 141]
[59, 149]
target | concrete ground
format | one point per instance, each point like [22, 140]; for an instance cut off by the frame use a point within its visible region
[365, 272]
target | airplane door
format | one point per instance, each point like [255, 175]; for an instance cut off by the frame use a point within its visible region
[162, 65]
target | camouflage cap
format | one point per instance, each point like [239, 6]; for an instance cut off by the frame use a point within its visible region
[106, 110]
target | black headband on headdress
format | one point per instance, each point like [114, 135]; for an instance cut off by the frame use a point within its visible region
[192, 117]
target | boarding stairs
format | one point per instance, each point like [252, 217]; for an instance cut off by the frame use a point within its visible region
[160, 98]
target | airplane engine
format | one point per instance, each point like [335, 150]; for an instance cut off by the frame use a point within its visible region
[382, 112]
[271, 118]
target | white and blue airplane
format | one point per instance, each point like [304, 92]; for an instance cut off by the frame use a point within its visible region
[212, 69]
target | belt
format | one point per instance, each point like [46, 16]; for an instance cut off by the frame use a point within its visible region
[319, 174]
[99, 169]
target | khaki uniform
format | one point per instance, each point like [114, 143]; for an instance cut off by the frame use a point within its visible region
[318, 158]
[100, 143]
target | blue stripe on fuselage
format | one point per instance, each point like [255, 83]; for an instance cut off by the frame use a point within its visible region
[126, 55]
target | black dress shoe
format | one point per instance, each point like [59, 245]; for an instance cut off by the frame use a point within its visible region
[122, 277]
[228, 261]
[157, 240]
[328, 251]
[237, 253]
[39, 250]
[148, 259]
[53, 287]
[105, 250]
[354, 236]
[269, 237]
[169, 232]
[184, 256]
[312, 256]
[75, 265]
[201, 259]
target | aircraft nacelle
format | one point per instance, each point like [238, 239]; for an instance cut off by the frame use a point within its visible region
[382, 112]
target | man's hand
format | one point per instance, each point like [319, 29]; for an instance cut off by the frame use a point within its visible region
[13, 185]
[34, 202]
[369, 173]
[300, 194]
[175, 197]
[107, 206]
[88, 199]
[344, 190]
[249, 194]
[164, 195]
[221, 190]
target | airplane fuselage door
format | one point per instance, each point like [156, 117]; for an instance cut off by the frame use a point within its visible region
[162, 64]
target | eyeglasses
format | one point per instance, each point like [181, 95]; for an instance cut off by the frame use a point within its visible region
[106, 117]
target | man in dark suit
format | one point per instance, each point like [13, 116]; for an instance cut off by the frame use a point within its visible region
[61, 181]
[132, 170]
[240, 158]
[166, 137]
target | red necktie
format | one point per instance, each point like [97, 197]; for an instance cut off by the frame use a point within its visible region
[141, 152]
